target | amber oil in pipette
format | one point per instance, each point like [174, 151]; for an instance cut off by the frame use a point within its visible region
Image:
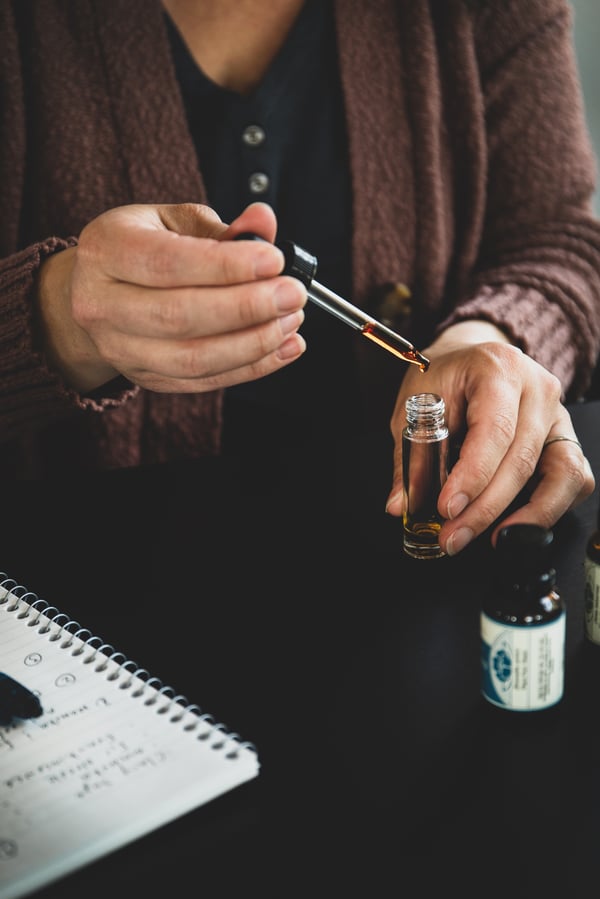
[425, 469]
[386, 340]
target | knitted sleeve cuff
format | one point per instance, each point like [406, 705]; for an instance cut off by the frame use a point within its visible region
[534, 324]
[31, 394]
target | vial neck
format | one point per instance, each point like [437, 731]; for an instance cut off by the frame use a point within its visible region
[425, 415]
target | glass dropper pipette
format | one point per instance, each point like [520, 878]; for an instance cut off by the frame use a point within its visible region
[303, 265]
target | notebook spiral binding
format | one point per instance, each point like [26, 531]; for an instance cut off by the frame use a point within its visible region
[48, 618]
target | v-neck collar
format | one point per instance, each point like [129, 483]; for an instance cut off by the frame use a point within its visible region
[286, 70]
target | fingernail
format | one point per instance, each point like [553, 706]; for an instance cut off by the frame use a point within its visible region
[293, 346]
[456, 504]
[458, 540]
[266, 264]
[396, 502]
[288, 296]
[291, 322]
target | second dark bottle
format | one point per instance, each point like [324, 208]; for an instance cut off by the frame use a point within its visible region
[523, 624]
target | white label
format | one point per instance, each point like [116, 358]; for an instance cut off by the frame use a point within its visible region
[592, 600]
[522, 667]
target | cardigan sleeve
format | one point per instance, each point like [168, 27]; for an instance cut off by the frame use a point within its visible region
[537, 275]
[31, 394]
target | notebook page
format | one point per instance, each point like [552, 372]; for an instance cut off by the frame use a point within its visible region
[110, 759]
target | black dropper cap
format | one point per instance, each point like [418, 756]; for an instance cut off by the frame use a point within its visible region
[523, 554]
[299, 263]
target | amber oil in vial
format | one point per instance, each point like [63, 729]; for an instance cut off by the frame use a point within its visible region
[425, 469]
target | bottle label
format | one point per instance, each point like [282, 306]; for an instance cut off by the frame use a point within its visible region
[522, 667]
[592, 600]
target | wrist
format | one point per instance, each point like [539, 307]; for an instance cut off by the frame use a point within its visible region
[68, 349]
[468, 333]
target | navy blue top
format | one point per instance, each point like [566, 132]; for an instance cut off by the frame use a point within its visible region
[285, 144]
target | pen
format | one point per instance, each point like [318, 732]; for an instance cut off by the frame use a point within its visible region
[16, 701]
[303, 265]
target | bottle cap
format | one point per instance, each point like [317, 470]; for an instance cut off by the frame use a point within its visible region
[523, 552]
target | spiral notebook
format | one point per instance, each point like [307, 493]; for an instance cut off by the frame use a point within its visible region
[114, 754]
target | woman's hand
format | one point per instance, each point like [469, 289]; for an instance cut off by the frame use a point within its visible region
[504, 407]
[164, 297]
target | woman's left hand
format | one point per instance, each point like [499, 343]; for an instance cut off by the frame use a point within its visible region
[506, 409]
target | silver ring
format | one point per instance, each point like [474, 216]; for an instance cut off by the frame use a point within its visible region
[556, 439]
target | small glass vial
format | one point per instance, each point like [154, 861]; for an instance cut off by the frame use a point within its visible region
[592, 585]
[425, 469]
[523, 624]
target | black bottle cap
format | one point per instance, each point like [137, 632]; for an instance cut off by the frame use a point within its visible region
[298, 262]
[523, 553]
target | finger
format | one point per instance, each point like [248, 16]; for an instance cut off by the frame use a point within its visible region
[130, 245]
[566, 480]
[179, 359]
[193, 219]
[507, 423]
[566, 461]
[257, 218]
[497, 459]
[204, 379]
[470, 513]
[562, 482]
[202, 221]
[188, 312]
[491, 418]
[395, 500]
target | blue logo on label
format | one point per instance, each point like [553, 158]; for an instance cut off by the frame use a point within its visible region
[502, 663]
[497, 669]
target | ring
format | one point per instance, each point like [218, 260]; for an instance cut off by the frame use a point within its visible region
[556, 439]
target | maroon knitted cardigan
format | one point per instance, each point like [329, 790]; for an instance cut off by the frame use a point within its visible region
[472, 175]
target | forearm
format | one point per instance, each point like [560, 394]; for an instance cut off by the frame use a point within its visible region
[30, 393]
[556, 326]
[536, 274]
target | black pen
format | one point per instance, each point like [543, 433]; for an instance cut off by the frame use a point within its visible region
[16, 701]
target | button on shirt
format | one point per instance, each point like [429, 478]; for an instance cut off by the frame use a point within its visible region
[285, 144]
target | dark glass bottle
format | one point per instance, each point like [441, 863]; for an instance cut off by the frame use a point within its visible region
[592, 585]
[523, 624]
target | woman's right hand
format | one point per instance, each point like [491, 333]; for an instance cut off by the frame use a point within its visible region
[163, 296]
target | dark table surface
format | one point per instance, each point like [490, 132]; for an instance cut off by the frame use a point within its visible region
[275, 594]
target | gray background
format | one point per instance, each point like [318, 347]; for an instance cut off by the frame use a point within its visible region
[586, 32]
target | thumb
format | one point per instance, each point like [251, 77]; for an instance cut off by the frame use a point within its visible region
[395, 501]
[258, 218]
